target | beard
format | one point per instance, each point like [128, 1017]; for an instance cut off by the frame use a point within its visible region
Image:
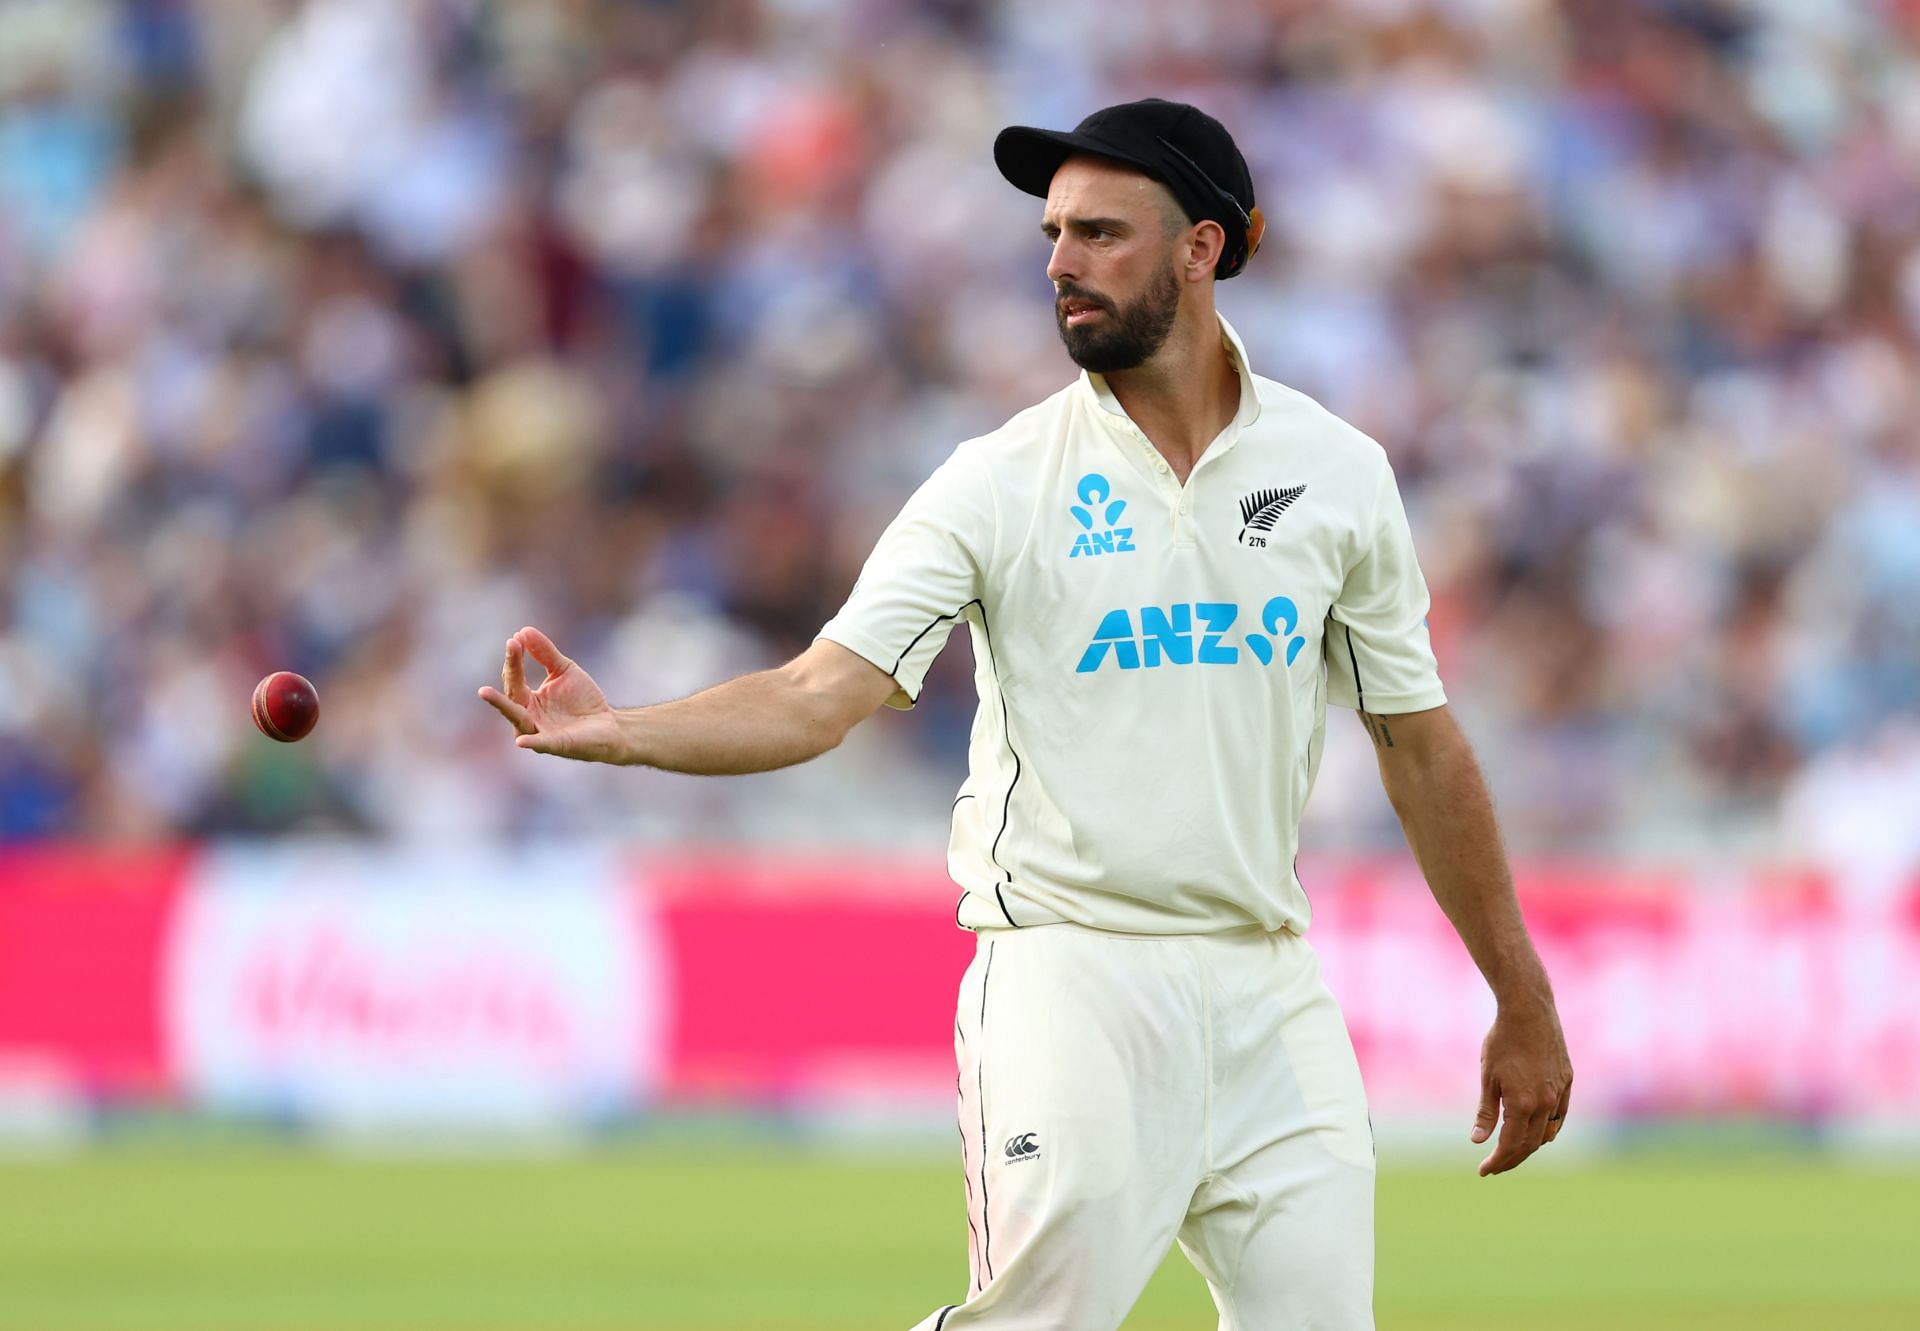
[1130, 334]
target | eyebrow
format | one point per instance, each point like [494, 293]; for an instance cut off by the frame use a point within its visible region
[1048, 228]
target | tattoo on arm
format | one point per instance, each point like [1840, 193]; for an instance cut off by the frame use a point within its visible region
[1377, 727]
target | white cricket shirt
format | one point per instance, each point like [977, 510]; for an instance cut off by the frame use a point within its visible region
[1154, 660]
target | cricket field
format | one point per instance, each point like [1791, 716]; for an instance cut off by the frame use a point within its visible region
[698, 1236]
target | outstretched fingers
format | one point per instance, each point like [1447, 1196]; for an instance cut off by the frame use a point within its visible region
[566, 716]
[513, 697]
[521, 718]
[541, 648]
[513, 673]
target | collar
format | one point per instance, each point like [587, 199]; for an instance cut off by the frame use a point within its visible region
[1236, 356]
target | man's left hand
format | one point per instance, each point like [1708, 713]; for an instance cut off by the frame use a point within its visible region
[1526, 1079]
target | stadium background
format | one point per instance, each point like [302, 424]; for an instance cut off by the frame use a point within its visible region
[346, 336]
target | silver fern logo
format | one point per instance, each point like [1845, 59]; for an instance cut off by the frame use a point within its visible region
[1261, 509]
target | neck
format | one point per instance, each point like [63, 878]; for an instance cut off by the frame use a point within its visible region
[1185, 394]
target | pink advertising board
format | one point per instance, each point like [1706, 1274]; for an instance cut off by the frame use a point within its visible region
[367, 987]
[417, 988]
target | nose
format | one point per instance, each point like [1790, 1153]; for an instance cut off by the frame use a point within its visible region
[1064, 262]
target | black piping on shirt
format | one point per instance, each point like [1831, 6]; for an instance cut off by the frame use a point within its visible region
[1006, 730]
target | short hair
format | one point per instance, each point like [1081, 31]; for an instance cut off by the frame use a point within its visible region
[1173, 215]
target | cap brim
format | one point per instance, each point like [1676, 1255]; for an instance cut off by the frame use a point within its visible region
[1028, 157]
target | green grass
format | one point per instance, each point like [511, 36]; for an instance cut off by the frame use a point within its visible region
[692, 1238]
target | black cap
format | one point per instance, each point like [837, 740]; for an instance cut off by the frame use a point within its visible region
[1178, 145]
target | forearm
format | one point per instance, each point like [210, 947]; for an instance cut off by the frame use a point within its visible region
[755, 723]
[1436, 788]
[1441, 798]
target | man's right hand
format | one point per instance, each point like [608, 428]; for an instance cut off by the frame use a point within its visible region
[566, 716]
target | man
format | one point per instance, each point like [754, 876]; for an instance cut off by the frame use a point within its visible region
[1168, 569]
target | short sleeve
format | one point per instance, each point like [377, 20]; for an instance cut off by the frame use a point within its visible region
[928, 566]
[1379, 656]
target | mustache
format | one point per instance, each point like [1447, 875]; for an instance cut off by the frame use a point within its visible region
[1071, 292]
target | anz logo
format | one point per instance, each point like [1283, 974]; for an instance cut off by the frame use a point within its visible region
[1200, 633]
[1095, 490]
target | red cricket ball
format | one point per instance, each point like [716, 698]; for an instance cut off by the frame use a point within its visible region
[285, 706]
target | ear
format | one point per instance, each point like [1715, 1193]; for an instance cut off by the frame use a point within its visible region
[1204, 245]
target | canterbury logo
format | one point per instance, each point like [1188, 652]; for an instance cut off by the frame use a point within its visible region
[1261, 509]
[1022, 1146]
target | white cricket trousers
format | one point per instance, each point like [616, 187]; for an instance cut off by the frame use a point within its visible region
[1118, 1092]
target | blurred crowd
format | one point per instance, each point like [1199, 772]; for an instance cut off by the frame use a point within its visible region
[347, 336]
